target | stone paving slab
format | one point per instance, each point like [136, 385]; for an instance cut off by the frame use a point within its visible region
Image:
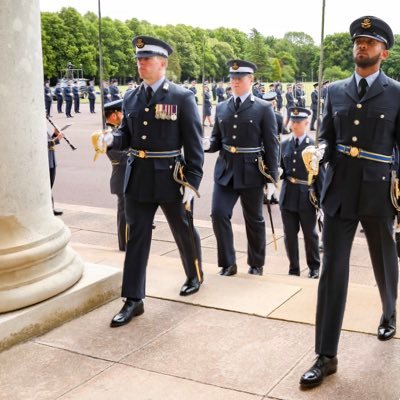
[36, 372]
[225, 349]
[363, 308]
[368, 369]
[91, 334]
[126, 383]
[249, 294]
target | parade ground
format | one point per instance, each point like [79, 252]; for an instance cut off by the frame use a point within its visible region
[239, 338]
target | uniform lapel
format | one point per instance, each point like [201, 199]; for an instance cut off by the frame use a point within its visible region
[141, 95]
[351, 88]
[377, 87]
[247, 103]
[160, 94]
[231, 105]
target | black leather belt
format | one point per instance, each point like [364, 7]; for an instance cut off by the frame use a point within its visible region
[154, 154]
[243, 150]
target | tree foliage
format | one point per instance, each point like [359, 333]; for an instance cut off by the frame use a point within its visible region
[67, 36]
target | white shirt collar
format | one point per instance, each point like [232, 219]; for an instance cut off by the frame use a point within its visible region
[370, 78]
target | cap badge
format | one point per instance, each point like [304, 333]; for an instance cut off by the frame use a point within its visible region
[366, 23]
[140, 43]
[295, 111]
[235, 66]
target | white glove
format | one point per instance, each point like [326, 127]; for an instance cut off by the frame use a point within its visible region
[280, 172]
[206, 143]
[317, 156]
[271, 189]
[188, 195]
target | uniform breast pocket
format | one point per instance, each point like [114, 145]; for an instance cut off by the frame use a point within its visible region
[340, 117]
[380, 120]
[131, 119]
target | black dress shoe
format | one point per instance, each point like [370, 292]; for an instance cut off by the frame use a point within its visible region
[130, 309]
[387, 328]
[57, 212]
[313, 274]
[228, 271]
[293, 272]
[190, 286]
[322, 367]
[256, 270]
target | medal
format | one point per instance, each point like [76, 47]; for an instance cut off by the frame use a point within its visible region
[174, 110]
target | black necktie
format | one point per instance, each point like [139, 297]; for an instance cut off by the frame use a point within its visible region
[362, 88]
[149, 93]
[238, 101]
[296, 143]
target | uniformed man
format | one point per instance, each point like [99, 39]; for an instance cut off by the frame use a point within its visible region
[106, 93]
[118, 158]
[76, 93]
[272, 98]
[68, 97]
[161, 127]
[92, 97]
[360, 129]
[279, 98]
[59, 94]
[48, 98]
[290, 100]
[220, 92]
[314, 106]
[245, 134]
[297, 211]
[300, 95]
[114, 90]
[194, 90]
[131, 86]
[53, 139]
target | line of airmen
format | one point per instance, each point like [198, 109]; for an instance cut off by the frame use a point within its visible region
[161, 130]
[71, 94]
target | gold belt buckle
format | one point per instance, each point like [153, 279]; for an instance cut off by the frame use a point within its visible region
[232, 149]
[292, 180]
[141, 154]
[354, 151]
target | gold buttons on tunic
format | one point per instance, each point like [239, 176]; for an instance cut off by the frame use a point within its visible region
[145, 122]
[356, 122]
[144, 137]
[234, 137]
[359, 105]
[381, 116]
[147, 109]
[234, 126]
[235, 116]
[354, 138]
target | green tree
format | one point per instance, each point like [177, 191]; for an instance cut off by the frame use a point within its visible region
[338, 52]
[258, 52]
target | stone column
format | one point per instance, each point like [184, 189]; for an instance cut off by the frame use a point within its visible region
[36, 262]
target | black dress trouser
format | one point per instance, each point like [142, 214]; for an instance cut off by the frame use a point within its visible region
[338, 235]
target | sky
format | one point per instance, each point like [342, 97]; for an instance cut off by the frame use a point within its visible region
[269, 17]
